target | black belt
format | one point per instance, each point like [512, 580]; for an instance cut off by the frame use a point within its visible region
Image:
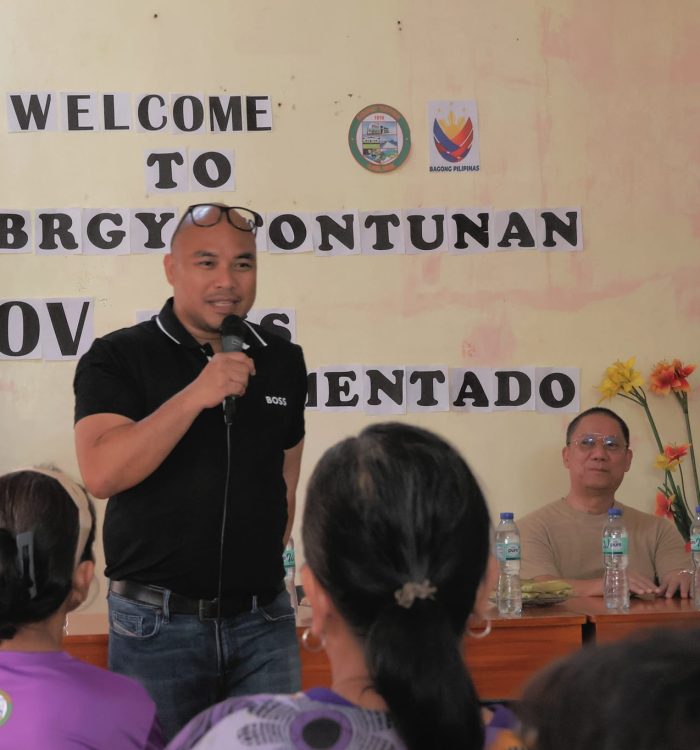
[183, 605]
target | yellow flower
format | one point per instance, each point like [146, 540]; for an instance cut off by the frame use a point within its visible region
[666, 464]
[620, 376]
[608, 388]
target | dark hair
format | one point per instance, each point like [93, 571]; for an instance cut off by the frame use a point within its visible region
[598, 410]
[397, 504]
[34, 502]
[637, 694]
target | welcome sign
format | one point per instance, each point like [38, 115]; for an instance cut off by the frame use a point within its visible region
[62, 328]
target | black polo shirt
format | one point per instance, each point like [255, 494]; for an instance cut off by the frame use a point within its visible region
[166, 530]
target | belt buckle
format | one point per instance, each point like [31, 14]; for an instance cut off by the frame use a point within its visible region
[208, 609]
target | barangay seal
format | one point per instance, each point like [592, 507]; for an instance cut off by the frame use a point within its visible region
[5, 707]
[379, 138]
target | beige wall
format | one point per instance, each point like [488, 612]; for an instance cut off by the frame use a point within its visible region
[580, 104]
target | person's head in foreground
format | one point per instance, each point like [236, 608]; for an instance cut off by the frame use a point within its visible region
[636, 694]
[396, 539]
[47, 529]
[48, 698]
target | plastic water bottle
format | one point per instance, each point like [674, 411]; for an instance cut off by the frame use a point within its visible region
[290, 570]
[695, 550]
[616, 588]
[509, 597]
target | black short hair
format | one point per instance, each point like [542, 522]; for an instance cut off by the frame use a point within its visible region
[598, 410]
[398, 504]
[34, 502]
[636, 694]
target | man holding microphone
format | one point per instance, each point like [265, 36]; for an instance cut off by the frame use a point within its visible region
[199, 510]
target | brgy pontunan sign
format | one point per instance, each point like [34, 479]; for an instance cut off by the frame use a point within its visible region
[458, 231]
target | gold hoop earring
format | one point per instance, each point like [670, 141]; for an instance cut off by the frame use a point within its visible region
[312, 648]
[480, 633]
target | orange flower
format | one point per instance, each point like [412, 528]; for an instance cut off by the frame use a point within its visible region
[662, 378]
[667, 377]
[681, 372]
[663, 505]
[676, 452]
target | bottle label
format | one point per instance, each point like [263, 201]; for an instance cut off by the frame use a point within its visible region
[508, 551]
[695, 543]
[614, 545]
[288, 558]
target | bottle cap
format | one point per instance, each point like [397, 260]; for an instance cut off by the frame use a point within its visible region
[506, 516]
[615, 512]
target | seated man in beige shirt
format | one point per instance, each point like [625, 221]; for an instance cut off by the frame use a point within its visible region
[564, 539]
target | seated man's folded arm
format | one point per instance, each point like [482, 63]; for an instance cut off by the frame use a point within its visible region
[673, 563]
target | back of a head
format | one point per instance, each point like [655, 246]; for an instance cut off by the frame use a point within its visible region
[35, 505]
[637, 694]
[393, 507]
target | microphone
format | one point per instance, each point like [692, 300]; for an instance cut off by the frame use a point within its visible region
[232, 335]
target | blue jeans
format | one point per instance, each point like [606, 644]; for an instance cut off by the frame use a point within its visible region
[188, 664]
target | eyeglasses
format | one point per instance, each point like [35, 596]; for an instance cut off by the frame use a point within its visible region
[610, 443]
[209, 214]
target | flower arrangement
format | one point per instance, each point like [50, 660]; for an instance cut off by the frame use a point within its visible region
[621, 379]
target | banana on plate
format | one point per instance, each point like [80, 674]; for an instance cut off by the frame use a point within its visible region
[534, 590]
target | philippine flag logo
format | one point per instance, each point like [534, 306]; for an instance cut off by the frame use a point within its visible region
[453, 137]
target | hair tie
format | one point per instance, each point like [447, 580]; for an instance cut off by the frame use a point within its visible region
[25, 561]
[412, 590]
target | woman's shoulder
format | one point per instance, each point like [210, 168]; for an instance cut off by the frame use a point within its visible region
[51, 692]
[96, 680]
[501, 726]
[287, 721]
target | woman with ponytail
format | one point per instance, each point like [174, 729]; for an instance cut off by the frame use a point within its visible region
[396, 537]
[47, 698]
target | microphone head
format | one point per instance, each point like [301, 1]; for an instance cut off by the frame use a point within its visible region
[232, 333]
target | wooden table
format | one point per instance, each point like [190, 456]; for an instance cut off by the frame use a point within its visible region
[604, 625]
[501, 663]
[517, 647]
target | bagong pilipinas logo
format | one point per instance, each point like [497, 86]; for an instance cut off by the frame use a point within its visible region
[379, 138]
[453, 137]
